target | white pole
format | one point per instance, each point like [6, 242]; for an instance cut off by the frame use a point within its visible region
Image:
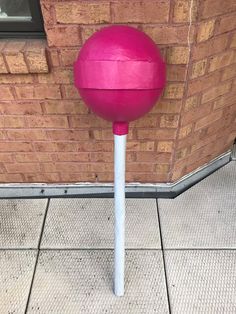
[119, 189]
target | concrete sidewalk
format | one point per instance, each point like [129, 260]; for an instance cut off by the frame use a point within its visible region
[56, 255]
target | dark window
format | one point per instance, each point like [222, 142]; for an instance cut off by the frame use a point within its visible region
[20, 18]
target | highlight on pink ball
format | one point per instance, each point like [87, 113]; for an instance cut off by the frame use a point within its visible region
[120, 75]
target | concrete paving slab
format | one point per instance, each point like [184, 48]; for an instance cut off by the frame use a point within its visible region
[204, 216]
[21, 222]
[81, 282]
[16, 271]
[201, 281]
[89, 223]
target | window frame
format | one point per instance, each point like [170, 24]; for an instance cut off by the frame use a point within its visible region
[25, 29]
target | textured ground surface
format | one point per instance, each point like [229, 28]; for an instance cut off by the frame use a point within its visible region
[56, 255]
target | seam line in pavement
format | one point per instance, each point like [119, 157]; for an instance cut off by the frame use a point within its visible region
[98, 249]
[163, 257]
[37, 257]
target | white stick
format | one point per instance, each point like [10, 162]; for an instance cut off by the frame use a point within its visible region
[119, 156]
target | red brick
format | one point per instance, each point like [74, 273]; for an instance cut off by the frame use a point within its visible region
[207, 48]
[67, 146]
[3, 68]
[198, 68]
[169, 121]
[47, 121]
[16, 79]
[27, 135]
[68, 56]
[73, 167]
[192, 140]
[70, 92]
[182, 153]
[16, 62]
[185, 131]
[138, 146]
[79, 156]
[228, 73]
[203, 142]
[101, 167]
[164, 134]
[48, 167]
[42, 177]
[144, 177]
[14, 45]
[48, 14]
[8, 108]
[140, 12]
[68, 135]
[167, 106]
[205, 30]
[195, 114]
[220, 128]
[103, 134]
[6, 157]
[38, 91]
[33, 157]
[140, 166]
[14, 122]
[233, 41]
[162, 168]
[58, 76]
[78, 177]
[176, 72]
[64, 107]
[6, 93]
[178, 55]
[165, 146]
[96, 146]
[174, 91]
[202, 83]
[10, 178]
[36, 61]
[216, 91]
[224, 100]
[226, 24]
[221, 60]
[209, 8]
[83, 12]
[15, 147]
[63, 36]
[89, 30]
[88, 121]
[150, 120]
[45, 146]
[181, 11]
[168, 34]
[22, 168]
[212, 117]
[2, 135]
[53, 57]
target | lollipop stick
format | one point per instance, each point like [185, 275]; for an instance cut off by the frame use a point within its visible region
[119, 187]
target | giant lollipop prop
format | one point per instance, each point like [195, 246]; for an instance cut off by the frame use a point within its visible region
[120, 75]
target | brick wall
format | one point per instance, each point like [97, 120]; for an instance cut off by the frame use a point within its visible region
[48, 135]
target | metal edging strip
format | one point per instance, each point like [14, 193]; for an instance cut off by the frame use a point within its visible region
[133, 190]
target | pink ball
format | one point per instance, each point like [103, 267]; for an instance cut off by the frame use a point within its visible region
[119, 74]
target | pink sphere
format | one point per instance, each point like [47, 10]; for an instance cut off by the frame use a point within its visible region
[119, 74]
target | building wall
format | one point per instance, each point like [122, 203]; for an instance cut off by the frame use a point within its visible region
[48, 135]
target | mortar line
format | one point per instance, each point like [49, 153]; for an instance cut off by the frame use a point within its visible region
[187, 74]
[98, 249]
